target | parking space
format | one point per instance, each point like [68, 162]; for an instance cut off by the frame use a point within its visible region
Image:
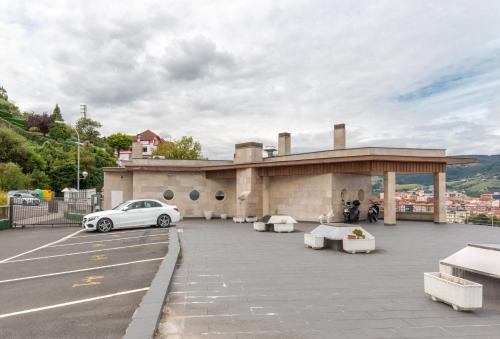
[77, 284]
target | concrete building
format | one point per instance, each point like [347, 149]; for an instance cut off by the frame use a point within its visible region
[304, 185]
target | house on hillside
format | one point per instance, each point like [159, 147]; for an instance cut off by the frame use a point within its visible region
[149, 142]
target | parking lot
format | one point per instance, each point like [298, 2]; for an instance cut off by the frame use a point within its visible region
[65, 283]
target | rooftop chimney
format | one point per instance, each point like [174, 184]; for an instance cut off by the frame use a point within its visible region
[284, 143]
[339, 136]
[136, 150]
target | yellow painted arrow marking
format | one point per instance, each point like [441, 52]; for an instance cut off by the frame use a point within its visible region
[91, 280]
[99, 257]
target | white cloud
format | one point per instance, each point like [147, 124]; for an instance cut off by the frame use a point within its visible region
[409, 73]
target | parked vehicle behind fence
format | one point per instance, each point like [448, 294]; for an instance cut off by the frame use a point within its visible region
[18, 198]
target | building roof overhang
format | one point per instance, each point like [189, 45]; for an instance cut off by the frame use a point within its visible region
[380, 159]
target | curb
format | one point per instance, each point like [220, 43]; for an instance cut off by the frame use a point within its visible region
[147, 316]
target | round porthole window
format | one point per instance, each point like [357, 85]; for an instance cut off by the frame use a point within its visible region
[361, 195]
[168, 195]
[219, 195]
[194, 195]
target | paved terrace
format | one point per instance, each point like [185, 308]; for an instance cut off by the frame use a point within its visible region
[233, 282]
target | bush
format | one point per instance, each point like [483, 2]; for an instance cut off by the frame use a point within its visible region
[3, 198]
[12, 177]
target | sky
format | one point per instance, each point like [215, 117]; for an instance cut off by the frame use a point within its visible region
[398, 73]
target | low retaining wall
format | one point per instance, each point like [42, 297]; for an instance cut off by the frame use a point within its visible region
[414, 216]
[147, 316]
[4, 224]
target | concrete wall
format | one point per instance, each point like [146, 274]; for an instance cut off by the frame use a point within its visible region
[351, 184]
[117, 181]
[303, 197]
[414, 216]
[307, 197]
[154, 184]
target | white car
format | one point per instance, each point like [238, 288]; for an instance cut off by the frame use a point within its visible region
[133, 213]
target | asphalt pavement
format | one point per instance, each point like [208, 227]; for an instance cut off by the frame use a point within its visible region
[86, 285]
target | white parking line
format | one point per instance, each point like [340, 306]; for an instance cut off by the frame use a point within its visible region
[117, 239]
[116, 232]
[84, 252]
[6, 315]
[80, 270]
[39, 248]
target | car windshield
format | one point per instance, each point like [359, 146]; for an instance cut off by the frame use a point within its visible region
[120, 206]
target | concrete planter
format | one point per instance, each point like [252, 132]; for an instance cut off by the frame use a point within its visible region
[208, 215]
[461, 294]
[259, 226]
[223, 216]
[359, 245]
[238, 220]
[283, 228]
[251, 219]
[314, 241]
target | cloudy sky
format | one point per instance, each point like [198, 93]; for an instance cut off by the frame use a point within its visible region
[398, 73]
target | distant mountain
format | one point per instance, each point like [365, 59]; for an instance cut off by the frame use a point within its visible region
[473, 179]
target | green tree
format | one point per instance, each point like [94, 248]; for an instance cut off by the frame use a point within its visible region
[119, 141]
[88, 129]
[60, 132]
[39, 179]
[185, 149]
[62, 175]
[56, 114]
[15, 148]
[12, 177]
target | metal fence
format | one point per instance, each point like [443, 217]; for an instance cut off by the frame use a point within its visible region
[56, 212]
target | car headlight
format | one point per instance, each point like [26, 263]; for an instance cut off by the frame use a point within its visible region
[92, 218]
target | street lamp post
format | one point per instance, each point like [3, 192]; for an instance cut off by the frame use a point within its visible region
[77, 154]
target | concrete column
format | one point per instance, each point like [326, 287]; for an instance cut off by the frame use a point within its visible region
[248, 193]
[265, 196]
[390, 198]
[440, 198]
[284, 143]
[339, 136]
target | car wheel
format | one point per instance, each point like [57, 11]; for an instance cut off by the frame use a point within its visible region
[164, 220]
[104, 225]
[25, 202]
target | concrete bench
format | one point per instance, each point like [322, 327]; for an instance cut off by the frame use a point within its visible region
[276, 223]
[479, 263]
[337, 236]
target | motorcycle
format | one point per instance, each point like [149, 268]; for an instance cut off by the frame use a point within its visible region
[351, 211]
[373, 212]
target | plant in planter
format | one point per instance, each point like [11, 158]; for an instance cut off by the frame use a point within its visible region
[358, 233]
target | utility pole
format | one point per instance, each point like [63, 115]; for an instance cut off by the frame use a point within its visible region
[83, 110]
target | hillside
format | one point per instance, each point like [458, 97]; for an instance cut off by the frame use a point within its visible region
[473, 179]
[37, 152]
